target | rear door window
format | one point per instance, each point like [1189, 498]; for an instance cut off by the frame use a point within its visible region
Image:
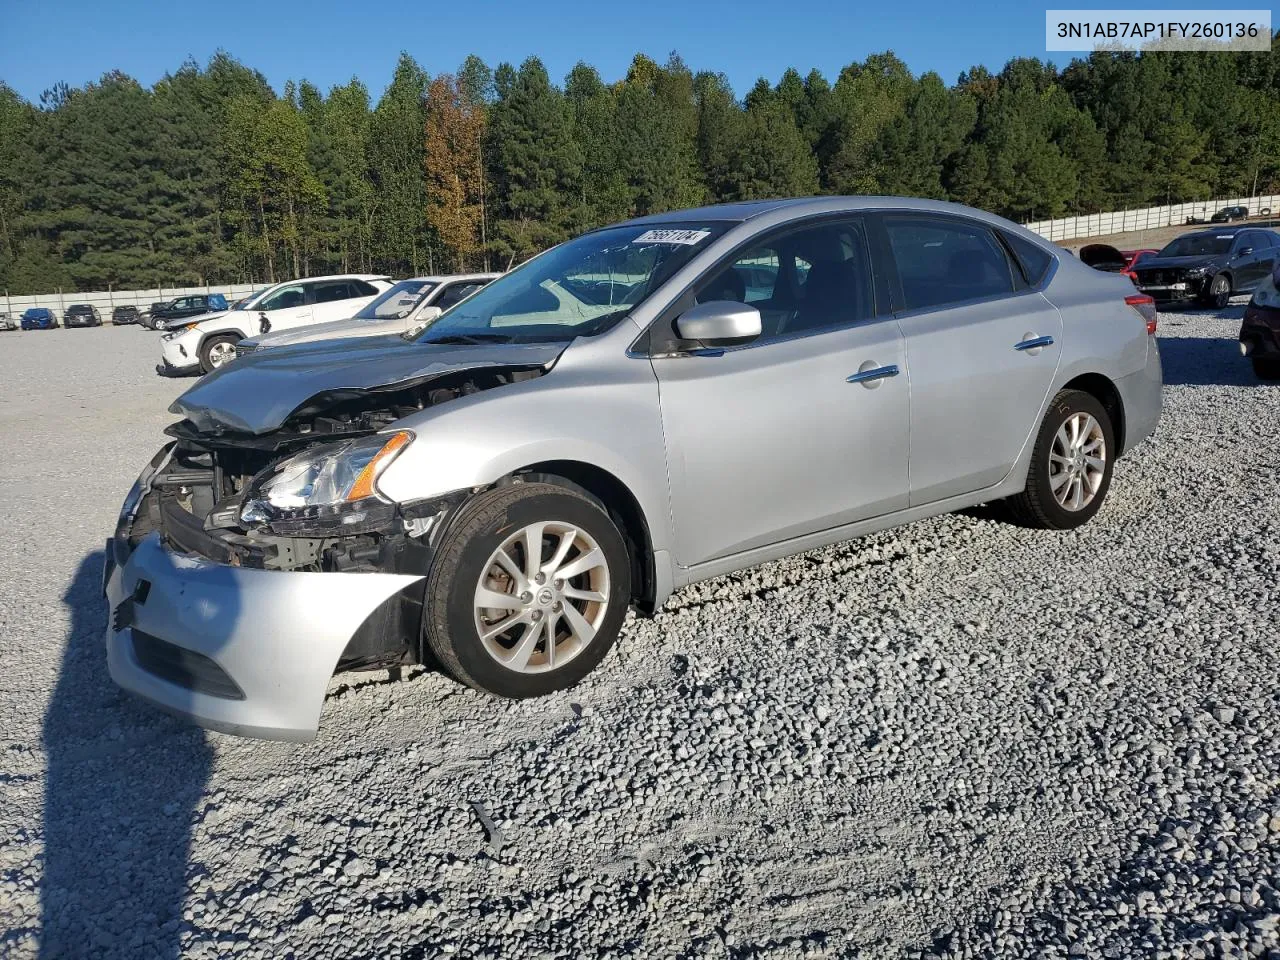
[330, 291]
[942, 261]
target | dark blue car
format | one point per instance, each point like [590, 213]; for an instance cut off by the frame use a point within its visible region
[39, 318]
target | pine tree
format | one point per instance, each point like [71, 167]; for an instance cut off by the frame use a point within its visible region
[400, 238]
[537, 164]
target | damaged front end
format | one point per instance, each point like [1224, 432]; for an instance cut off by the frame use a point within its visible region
[255, 555]
[303, 498]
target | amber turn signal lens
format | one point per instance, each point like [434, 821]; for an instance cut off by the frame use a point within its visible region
[363, 487]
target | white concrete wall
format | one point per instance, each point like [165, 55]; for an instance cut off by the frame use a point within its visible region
[1148, 218]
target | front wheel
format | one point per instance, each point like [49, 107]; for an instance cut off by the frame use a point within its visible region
[1070, 465]
[217, 352]
[1219, 294]
[527, 591]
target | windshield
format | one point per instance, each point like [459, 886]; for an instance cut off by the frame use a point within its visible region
[1199, 245]
[251, 298]
[578, 289]
[398, 302]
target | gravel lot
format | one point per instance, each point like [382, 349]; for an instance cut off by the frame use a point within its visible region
[958, 739]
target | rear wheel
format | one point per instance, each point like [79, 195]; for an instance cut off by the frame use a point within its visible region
[1070, 465]
[1266, 368]
[528, 590]
[218, 351]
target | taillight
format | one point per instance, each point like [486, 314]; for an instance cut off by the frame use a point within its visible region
[1146, 306]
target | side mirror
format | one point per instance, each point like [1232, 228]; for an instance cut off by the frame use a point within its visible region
[719, 322]
[427, 315]
[1244, 251]
[264, 325]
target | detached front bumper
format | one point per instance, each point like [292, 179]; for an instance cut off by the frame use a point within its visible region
[237, 650]
[178, 357]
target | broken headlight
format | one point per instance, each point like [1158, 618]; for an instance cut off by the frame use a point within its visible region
[326, 490]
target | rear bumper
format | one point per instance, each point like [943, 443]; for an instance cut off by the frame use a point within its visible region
[241, 651]
[1141, 394]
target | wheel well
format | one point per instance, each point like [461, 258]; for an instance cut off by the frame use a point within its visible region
[626, 512]
[1105, 392]
[217, 333]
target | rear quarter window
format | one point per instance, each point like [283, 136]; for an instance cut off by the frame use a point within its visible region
[1032, 259]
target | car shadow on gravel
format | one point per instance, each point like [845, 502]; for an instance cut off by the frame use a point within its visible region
[1205, 362]
[122, 786]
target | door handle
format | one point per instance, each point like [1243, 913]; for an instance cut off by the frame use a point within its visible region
[869, 377]
[1033, 343]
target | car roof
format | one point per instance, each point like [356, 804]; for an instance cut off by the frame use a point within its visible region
[445, 277]
[1217, 231]
[741, 212]
[338, 276]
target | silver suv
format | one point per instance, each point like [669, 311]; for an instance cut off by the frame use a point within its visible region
[647, 405]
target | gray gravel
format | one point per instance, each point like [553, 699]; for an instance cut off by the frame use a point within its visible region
[958, 739]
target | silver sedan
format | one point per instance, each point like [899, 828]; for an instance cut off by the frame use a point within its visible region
[644, 406]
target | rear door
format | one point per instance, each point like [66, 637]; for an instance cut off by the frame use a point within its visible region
[982, 346]
[340, 298]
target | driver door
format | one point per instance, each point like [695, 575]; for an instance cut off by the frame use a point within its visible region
[787, 435]
[288, 307]
[1249, 268]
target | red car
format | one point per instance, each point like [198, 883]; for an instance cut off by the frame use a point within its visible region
[1131, 258]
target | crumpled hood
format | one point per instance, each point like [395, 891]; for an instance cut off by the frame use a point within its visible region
[257, 393]
[330, 330]
[177, 322]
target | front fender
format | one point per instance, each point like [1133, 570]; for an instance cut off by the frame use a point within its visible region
[605, 415]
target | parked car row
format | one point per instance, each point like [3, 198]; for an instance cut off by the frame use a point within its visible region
[87, 315]
[315, 308]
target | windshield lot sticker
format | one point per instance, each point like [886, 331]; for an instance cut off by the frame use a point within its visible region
[686, 237]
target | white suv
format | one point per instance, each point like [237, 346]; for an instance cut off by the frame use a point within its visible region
[205, 343]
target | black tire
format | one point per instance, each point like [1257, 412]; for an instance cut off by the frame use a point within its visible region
[1266, 368]
[206, 363]
[1036, 506]
[482, 525]
[1218, 294]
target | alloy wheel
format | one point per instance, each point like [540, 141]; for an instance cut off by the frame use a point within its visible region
[220, 353]
[1220, 292]
[1077, 461]
[541, 597]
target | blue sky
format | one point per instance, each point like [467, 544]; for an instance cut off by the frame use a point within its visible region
[328, 42]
